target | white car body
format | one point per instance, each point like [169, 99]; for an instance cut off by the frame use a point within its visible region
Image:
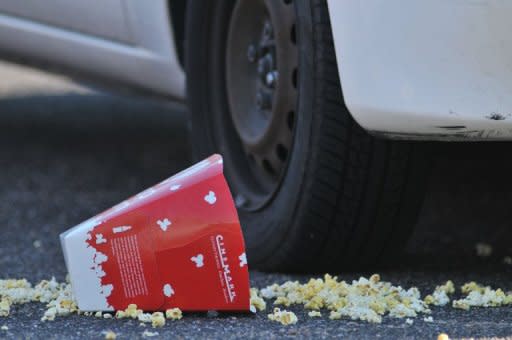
[426, 69]
[412, 69]
[125, 41]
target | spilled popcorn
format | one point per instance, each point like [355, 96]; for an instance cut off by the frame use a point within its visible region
[58, 297]
[283, 316]
[363, 299]
[157, 319]
[144, 318]
[480, 296]
[130, 312]
[148, 334]
[173, 314]
[109, 335]
[314, 314]
[257, 303]
[440, 295]
[5, 307]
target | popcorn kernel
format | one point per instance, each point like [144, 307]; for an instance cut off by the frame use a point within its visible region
[148, 334]
[173, 314]
[443, 336]
[314, 313]
[157, 319]
[5, 307]
[256, 302]
[283, 316]
[109, 335]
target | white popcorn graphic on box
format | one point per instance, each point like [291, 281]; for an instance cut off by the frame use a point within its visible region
[210, 198]
[243, 259]
[100, 239]
[198, 260]
[164, 223]
[79, 256]
[168, 291]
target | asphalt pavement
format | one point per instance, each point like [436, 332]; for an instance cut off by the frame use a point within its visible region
[68, 152]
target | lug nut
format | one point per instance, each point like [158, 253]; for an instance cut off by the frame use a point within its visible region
[267, 30]
[252, 53]
[271, 78]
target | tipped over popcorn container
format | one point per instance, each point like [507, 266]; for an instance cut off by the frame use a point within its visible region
[177, 244]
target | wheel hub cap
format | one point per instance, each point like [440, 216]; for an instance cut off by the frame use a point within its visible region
[261, 80]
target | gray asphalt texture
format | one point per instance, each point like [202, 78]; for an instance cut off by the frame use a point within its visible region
[67, 153]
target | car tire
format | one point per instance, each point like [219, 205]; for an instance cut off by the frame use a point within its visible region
[342, 198]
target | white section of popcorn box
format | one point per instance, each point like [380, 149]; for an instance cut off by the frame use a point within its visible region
[84, 267]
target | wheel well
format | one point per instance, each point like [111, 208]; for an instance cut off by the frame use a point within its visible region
[178, 9]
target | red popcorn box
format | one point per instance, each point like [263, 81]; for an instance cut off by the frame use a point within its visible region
[176, 244]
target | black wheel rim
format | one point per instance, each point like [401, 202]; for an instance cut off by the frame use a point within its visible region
[261, 86]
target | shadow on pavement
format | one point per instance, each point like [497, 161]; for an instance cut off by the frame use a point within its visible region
[468, 201]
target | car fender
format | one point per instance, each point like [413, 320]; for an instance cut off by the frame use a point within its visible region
[432, 70]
